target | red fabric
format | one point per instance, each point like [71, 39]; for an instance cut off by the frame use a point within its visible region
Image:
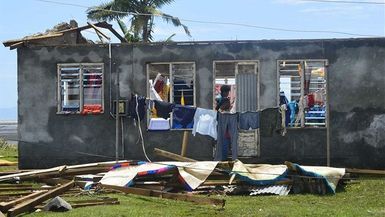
[310, 100]
[159, 86]
[92, 109]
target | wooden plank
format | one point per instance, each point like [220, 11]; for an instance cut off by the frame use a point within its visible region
[167, 195]
[5, 206]
[58, 171]
[172, 156]
[1, 214]
[108, 26]
[16, 45]
[84, 204]
[31, 38]
[184, 143]
[95, 204]
[24, 189]
[98, 31]
[29, 205]
[15, 194]
[54, 181]
[93, 200]
[14, 185]
[365, 171]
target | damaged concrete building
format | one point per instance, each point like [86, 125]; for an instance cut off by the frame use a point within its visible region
[345, 76]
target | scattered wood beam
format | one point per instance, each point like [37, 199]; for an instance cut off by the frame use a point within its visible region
[167, 195]
[63, 170]
[15, 194]
[16, 45]
[98, 31]
[31, 38]
[172, 156]
[109, 27]
[365, 171]
[5, 206]
[24, 188]
[14, 185]
[30, 204]
[84, 203]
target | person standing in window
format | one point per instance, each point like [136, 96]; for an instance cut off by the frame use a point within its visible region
[223, 99]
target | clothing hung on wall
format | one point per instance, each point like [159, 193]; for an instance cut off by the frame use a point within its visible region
[293, 107]
[248, 120]
[183, 117]
[227, 122]
[141, 107]
[270, 121]
[163, 109]
[205, 122]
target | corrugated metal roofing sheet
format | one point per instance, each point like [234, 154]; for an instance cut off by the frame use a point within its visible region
[246, 92]
[271, 189]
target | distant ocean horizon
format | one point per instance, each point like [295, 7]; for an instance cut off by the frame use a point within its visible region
[8, 114]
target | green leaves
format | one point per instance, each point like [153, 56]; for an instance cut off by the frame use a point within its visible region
[141, 13]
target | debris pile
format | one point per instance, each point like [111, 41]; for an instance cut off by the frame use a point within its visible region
[52, 189]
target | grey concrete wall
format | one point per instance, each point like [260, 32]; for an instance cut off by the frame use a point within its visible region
[356, 81]
[357, 77]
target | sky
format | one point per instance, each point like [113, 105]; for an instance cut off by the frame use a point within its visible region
[19, 18]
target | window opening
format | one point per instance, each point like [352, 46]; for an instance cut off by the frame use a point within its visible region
[172, 83]
[302, 86]
[242, 78]
[80, 88]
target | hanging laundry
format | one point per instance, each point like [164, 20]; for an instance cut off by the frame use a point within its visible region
[248, 120]
[141, 107]
[284, 101]
[205, 122]
[163, 109]
[183, 117]
[283, 110]
[159, 82]
[282, 98]
[310, 100]
[319, 97]
[227, 122]
[270, 121]
[182, 99]
[158, 124]
[165, 93]
[293, 107]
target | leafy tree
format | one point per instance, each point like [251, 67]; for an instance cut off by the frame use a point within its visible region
[141, 13]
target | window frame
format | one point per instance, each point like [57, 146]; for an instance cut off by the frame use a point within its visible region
[81, 66]
[171, 86]
[326, 64]
[171, 78]
[257, 70]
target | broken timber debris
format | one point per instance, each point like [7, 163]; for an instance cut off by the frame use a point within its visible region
[167, 195]
[366, 171]
[5, 206]
[63, 170]
[172, 156]
[30, 204]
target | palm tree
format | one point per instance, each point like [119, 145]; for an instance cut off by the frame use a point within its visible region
[141, 12]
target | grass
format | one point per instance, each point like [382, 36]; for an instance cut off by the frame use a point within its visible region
[364, 198]
[7, 152]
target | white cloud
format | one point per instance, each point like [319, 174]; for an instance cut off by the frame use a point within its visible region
[291, 2]
[340, 10]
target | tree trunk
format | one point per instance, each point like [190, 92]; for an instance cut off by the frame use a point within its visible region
[145, 29]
